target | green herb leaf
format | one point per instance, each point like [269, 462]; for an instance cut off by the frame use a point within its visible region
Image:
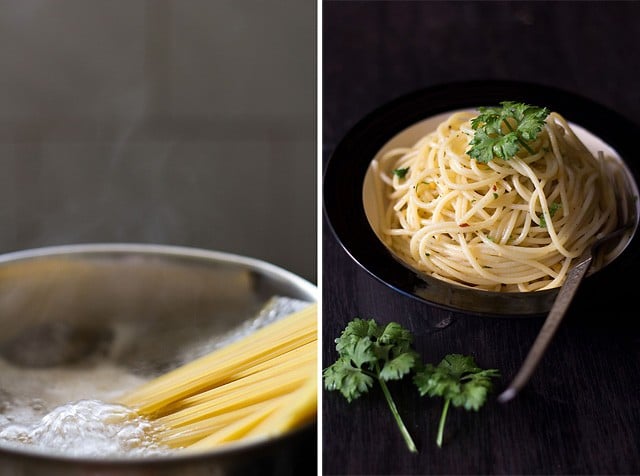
[401, 173]
[368, 353]
[553, 208]
[458, 380]
[347, 378]
[503, 131]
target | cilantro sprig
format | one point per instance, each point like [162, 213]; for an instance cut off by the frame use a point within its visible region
[370, 353]
[458, 380]
[503, 131]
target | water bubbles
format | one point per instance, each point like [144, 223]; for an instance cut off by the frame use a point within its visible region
[88, 428]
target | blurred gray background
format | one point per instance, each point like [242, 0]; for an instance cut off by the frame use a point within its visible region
[176, 122]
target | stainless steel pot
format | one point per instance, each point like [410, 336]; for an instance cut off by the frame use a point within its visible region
[59, 305]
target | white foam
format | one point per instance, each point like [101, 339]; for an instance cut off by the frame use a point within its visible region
[88, 428]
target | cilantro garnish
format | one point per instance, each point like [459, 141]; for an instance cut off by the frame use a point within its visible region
[502, 131]
[553, 208]
[369, 353]
[459, 381]
[401, 173]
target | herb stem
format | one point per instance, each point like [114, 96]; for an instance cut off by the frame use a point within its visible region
[520, 140]
[506, 123]
[443, 418]
[525, 145]
[403, 429]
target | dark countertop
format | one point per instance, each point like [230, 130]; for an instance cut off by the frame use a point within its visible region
[580, 413]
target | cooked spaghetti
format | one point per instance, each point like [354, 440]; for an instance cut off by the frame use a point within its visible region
[504, 225]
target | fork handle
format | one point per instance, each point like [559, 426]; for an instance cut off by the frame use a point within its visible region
[551, 323]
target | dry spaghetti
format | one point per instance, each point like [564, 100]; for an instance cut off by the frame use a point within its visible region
[257, 387]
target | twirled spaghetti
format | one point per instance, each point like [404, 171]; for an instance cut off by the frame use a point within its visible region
[504, 225]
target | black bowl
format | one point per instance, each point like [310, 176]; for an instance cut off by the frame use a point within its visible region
[345, 178]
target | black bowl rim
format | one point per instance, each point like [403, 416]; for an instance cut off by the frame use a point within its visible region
[346, 168]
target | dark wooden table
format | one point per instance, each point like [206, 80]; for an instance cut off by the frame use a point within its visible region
[580, 413]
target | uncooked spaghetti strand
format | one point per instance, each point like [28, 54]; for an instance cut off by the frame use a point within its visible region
[298, 408]
[215, 401]
[301, 356]
[235, 431]
[158, 397]
[186, 435]
[275, 339]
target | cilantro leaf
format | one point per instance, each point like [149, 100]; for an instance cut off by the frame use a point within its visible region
[401, 173]
[398, 367]
[347, 378]
[368, 353]
[458, 380]
[553, 208]
[503, 131]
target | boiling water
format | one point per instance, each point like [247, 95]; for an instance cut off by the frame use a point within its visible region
[88, 428]
[66, 409]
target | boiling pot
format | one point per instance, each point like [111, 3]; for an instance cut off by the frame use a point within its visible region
[59, 305]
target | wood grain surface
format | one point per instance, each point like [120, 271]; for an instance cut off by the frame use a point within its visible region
[580, 413]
